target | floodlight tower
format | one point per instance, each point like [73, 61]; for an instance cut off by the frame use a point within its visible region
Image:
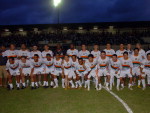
[57, 4]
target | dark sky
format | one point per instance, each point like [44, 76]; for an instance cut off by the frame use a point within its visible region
[73, 11]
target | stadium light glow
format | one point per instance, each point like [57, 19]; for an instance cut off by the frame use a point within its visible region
[56, 2]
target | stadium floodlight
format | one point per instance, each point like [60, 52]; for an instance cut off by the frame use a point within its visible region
[56, 2]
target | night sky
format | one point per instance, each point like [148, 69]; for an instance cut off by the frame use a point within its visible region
[14, 12]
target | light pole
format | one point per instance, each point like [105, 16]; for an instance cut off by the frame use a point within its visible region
[57, 4]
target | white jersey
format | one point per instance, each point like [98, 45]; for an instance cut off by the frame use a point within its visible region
[67, 65]
[130, 52]
[14, 66]
[24, 53]
[11, 53]
[96, 54]
[36, 52]
[27, 64]
[120, 53]
[71, 52]
[80, 68]
[48, 63]
[146, 64]
[44, 53]
[109, 52]
[147, 52]
[38, 64]
[142, 53]
[83, 54]
[74, 64]
[103, 63]
[126, 64]
[58, 64]
[116, 66]
[91, 65]
[136, 60]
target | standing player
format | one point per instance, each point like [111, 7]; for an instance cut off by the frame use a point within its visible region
[136, 60]
[109, 51]
[126, 70]
[25, 70]
[103, 63]
[46, 51]
[141, 51]
[12, 67]
[36, 71]
[23, 52]
[120, 51]
[96, 52]
[129, 50]
[12, 52]
[72, 51]
[114, 67]
[146, 70]
[36, 51]
[83, 53]
[60, 51]
[91, 65]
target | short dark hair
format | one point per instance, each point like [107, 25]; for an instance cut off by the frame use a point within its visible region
[148, 54]
[136, 49]
[114, 55]
[103, 52]
[90, 55]
[36, 55]
[12, 58]
[125, 53]
[48, 54]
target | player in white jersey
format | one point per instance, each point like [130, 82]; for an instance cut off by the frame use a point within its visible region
[146, 70]
[141, 51]
[23, 52]
[36, 71]
[36, 51]
[49, 69]
[129, 50]
[68, 71]
[114, 68]
[126, 70]
[25, 70]
[109, 51]
[12, 52]
[83, 53]
[72, 50]
[96, 52]
[46, 51]
[120, 51]
[91, 65]
[12, 67]
[136, 60]
[58, 69]
[103, 63]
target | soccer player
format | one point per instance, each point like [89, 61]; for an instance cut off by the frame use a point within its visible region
[23, 52]
[91, 65]
[12, 52]
[114, 68]
[60, 51]
[58, 69]
[146, 70]
[25, 70]
[126, 70]
[68, 72]
[83, 53]
[12, 67]
[103, 63]
[129, 50]
[136, 60]
[46, 51]
[141, 51]
[49, 69]
[36, 71]
[109, 51]
[36, 51]
[72, 50]
[120, 51]
[95, 52]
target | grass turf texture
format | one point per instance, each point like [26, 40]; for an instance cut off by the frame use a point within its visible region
[72, 101]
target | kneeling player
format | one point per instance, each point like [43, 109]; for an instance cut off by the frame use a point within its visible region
[12, 67]
[126, 69]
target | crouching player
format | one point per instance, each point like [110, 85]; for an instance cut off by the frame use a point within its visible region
[68, 71]
[103, 63]
[145, 70]
[36, 71]
[114, 68]
[12, 67]
[25, 70]
[91, 65]
[49, 69]
[126, 70]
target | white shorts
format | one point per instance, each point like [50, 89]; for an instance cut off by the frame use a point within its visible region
[49, 70]
[113, 73]
[92, 74]
[56, 72]
[103, 72]
[81, 73]
[125, 73]
[71, 74]
[14, 72]
[147, 72]
[136, 71]
[38, 71]
[26, 71]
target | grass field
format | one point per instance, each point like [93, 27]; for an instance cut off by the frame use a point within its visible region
[72, 101]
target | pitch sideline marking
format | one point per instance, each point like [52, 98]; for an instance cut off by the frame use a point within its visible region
[120, 100]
